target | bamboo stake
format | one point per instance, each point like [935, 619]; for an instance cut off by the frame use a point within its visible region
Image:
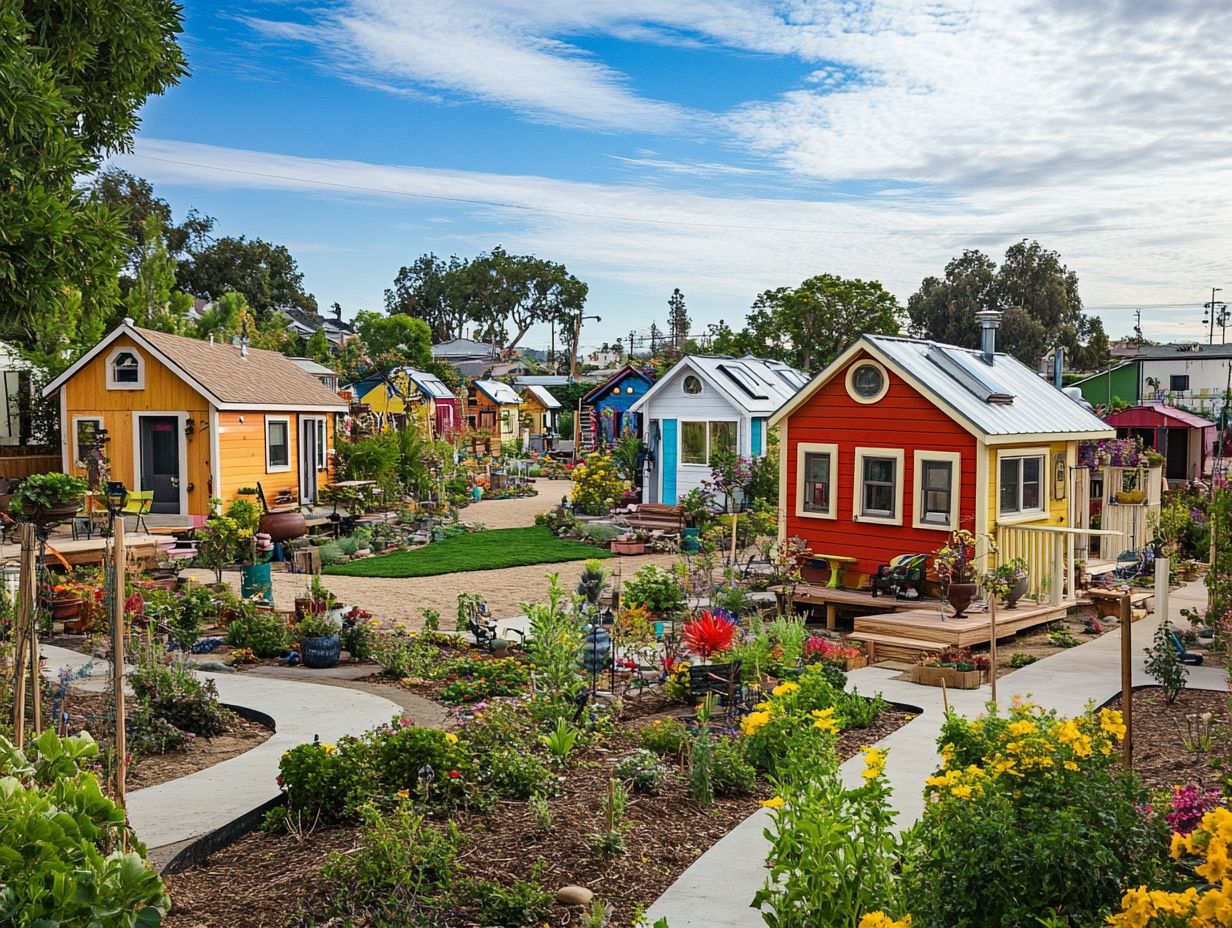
[117, 665]
[36, 688]
[1127, 680]
[27, 585]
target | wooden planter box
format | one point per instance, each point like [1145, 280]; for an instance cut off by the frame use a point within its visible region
[855, 663]
[952, 678]
[628, 547]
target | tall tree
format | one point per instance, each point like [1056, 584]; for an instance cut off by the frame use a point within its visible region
[678, 319]
[425, 290]
[133, 198]
[318, 348]
[151, 299]
[73, 76]
[1035, 291]
[266, 274]
[394, 341]
[222, 318]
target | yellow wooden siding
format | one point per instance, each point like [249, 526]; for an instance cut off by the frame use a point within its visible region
[1056, 511]
[86, 395]
[380, 400]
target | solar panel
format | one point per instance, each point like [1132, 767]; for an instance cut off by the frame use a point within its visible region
[973, 375]
[741, 377]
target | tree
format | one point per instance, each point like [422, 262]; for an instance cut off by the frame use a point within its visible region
[266, 274]
[150, 300]
[133, 199]
[72, 79]
[222, 318]
[318, 348]
[1035, 291]
[810, 325]
[425, 290]
[677, 319]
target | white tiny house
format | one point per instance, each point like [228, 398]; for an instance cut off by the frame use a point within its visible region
[701, 405]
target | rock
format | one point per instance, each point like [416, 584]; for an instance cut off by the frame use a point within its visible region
[213, 667]
[574, 895]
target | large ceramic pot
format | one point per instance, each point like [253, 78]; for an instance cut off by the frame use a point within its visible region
[321, 652]
[52, 515]
[62, 610]
[1016, 592]
[255, 581]
[960, 596]
[283, 526]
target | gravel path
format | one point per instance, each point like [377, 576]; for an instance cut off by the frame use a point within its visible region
[512, 513]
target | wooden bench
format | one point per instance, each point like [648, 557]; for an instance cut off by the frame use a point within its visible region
[655, 517]
[894, 645]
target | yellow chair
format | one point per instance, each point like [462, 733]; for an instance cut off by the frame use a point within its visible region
[138, 504]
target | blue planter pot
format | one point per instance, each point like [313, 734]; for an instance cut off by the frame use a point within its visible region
[690, 540]
[321, 652]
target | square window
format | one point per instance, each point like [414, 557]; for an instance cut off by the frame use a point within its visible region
[1021, 485]
[816, 482]
[1178, 382]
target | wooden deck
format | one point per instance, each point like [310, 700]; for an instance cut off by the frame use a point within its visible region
[909, 633]
[88, 551]
[808, 594]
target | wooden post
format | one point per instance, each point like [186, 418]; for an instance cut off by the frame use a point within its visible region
[992, 644]
[117, 664]
[735, 516]
[27, 586]
[1127, 680]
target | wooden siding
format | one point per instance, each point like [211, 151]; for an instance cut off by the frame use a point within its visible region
[505, 430]
[86, 395]
[904, 419]
[1057, 510]
[384, 404]
[241, 448]
[671, 402]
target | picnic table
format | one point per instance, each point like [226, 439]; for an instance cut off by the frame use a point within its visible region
[835, 562]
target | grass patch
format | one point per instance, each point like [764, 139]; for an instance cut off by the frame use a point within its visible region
[489, 549]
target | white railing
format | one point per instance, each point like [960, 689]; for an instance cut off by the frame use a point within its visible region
[1049, 553]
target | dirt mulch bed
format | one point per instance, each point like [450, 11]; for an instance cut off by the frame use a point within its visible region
[265, 881]
[86, 710]
[1160, 730]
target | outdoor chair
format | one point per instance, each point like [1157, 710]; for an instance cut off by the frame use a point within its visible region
[722, 680]
[138, 504]
[479, 622]
[903, 576]
[92, 518]
[1183, 654]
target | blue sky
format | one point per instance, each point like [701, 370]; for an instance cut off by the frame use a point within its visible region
[719, 146]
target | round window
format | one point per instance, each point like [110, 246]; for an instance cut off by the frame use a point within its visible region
[692, 385]
[868, 380]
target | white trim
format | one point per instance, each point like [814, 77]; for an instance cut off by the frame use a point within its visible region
[851, 388]
[954, 459]
[982, 455]
[73, 434]
[680, 461]
[783, 446]
[685, 379]
[109, 366]
[1042, 452]
[276, 468]
[805, 448]
[686, 361]
[215, 458]
[181, 442]
[65, 448]
[857, 493]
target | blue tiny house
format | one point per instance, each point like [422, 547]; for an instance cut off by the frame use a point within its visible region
[607, 409]
[701, 405]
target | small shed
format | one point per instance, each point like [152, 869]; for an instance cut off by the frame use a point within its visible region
[540, 411]
[1184, 439]
[607, 409]
[492, 414]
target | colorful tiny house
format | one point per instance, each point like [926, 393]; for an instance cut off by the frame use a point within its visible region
[1185, 440]
[540, 411]
[409, 394]
[703, 404]
[607, 409]
[191, 420]
[492, 414]
[900, 441]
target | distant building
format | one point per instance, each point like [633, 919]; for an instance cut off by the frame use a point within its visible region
[322, 373]
[1192, 376]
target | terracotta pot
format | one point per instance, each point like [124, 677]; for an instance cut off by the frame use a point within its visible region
[62, 610]
[283, 526]
[628, 547]
[960, 596]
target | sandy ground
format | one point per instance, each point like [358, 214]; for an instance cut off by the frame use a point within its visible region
[403, 600]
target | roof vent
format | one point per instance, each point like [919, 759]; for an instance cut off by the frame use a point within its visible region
[990, 321]
[961, 366]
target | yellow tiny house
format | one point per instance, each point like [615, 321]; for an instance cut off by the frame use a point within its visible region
[191, 420]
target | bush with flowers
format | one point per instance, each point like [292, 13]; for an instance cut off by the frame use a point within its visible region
[476, 678]
[597, 485]
[1027, 817]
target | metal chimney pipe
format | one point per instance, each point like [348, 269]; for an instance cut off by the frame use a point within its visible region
[990, 321]
[1058, 365]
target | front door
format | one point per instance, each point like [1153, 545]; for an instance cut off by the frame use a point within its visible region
[1177, 454]
[310, 438]
[160, 462]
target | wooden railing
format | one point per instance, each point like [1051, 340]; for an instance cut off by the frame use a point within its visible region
[1049, 553]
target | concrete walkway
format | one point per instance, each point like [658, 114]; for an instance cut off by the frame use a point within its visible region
[716, 891]
[172, 813]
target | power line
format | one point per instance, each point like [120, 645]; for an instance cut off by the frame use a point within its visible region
[630, 219]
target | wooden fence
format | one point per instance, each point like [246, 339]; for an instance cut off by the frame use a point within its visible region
[18, 467]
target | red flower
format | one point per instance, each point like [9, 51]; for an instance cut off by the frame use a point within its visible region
[453, 774]
[709, 634]
[279, 779]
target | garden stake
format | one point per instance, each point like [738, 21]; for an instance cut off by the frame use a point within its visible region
[945, 697]
[735, 517]
[1127, 682]
[992, 642]
[24, 626]
[117, 666]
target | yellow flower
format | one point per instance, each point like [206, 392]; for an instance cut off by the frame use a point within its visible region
[824, 720]
[1023, 727]
[1070, 765]
[1110, 722]
[327, 747]
[784, 688]
[404, 793]
[752, 723]
[774, 803]
[962, 792]
[451, 737]
[874, 762]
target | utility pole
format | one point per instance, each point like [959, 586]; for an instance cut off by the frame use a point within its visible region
[1138, 327]
[1211, 309]
[577, 337]
[629, 353]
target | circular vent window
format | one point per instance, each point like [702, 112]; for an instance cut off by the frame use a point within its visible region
[866, 382]
[692, 385]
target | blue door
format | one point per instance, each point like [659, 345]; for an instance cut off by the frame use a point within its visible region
[667, 456]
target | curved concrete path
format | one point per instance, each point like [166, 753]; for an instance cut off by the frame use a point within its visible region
[170, 814]
[716, 891]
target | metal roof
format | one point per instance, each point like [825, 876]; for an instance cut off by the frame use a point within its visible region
[464, 348]
[499, 392]
[1190, 352]
[1037, 407]
[430, 384]
[546, 398]
[1163, 409]
[756, 385]
[312, 367]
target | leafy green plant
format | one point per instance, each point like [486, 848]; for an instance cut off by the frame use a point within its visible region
[175, 694]
[1021, 659]
[664, 736]
[218, 544]
[403, 653]
[642, 771]
[518, 904]
[542, 811]
[46, 491]
[656, 589]
[314, 625]
[511, 774]
[244, 513]
[561, 740]
[731, 773]
[611, 841]
[701, 768]
[1164, 664]
[260, 631]
[1062, 638]
[483, 678]
[555, 642]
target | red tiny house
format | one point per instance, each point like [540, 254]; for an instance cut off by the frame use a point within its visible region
[901, 426]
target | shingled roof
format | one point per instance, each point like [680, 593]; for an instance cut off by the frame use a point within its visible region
[228, 379]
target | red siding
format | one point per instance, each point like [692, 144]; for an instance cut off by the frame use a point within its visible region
[903, 418]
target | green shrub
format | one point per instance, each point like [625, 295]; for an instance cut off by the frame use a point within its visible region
[147, 733]
[404, 653]
[731, 773]
[190, 614]
[1164, 664]
[176, 695]
[264, 633]
[60, 862]
[331, 554]
[642, 771]
[512, 774]
[656, 589]
[701, 768]
[1022, 659]
[348, 546]
[483, 678]
[521, 903]
[664, 736]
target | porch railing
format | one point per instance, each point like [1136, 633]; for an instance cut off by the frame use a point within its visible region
[1051, 555]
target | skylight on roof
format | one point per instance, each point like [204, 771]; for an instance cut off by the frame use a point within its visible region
[971, 374]
[742, 378]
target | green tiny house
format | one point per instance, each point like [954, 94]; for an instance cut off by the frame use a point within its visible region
[1121, 382]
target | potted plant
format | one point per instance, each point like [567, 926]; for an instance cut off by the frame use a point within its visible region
[1008, 580]
[705, 636]
[65, 601]
[628, 543]
[48, 499]
[955, 565]
[956, 668]
[320, 641]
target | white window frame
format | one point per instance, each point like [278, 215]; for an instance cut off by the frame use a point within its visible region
[857, 495]
[802, 451]
[709, 451]
[919, 458]
[1029, 515]
[112, 383]
[322, 450]
[271, 468]
[701, 386]
[98, 425]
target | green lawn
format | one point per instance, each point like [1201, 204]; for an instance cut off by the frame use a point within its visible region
[482, 550]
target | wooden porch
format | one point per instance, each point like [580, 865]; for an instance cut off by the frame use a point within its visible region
[807, 594]
[911, 632]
